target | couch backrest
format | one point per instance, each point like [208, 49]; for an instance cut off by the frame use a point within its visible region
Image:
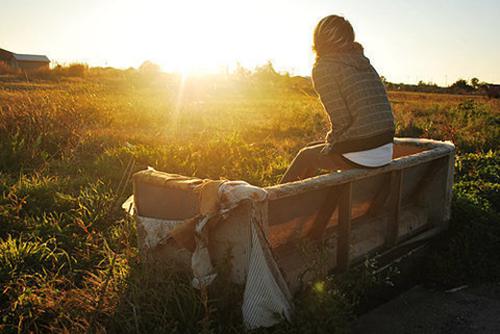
[358, 212]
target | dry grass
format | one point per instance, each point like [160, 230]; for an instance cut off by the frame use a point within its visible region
[68, 259]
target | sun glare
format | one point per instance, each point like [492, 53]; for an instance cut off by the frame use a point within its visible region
[215, 36]
[185, 40]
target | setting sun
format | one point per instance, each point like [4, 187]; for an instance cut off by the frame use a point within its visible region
[208, 36]
[187, 40]
[198, 36]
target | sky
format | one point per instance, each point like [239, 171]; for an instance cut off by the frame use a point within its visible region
[436, 41]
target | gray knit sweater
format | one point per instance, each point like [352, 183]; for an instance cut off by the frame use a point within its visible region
[356, 102]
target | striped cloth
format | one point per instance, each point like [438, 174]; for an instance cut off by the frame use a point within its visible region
[267, 299]
[355, 100]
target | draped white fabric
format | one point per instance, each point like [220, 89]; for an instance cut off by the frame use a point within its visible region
[266, 299]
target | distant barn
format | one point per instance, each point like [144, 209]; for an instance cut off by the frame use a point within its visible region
[493, 91]
[24, 61]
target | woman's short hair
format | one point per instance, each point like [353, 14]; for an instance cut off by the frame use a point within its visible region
[333, 34]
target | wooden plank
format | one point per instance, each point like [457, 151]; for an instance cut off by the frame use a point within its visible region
[367, 239]
[344, 227]
[380, 199]
[325, 213]
[433, 170]
[283, 210]
[395, 206]
[434, 151]
[449, 190]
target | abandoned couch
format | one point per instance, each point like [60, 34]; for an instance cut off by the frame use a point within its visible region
[273, 234]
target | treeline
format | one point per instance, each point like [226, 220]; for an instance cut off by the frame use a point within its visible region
[467, 87]
[263, 77]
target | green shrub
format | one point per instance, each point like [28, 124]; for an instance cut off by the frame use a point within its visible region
[469, 251]
[19, 257]
[35, 194]
[478, 179]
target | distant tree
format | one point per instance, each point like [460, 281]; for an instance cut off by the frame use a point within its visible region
[423, 86]
[266, 72]
[461, 85]
[149, 67]
[241, 72]
[474, 83]
[77, 70]
[384, 80]
[483, 86]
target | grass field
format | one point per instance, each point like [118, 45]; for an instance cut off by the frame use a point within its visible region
[68, 256]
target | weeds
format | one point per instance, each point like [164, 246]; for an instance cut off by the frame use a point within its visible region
[469, 251]
[68, 255]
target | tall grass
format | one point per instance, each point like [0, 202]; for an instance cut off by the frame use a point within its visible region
[68, 255]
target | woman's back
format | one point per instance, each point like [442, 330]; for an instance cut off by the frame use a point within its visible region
[356, 101]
